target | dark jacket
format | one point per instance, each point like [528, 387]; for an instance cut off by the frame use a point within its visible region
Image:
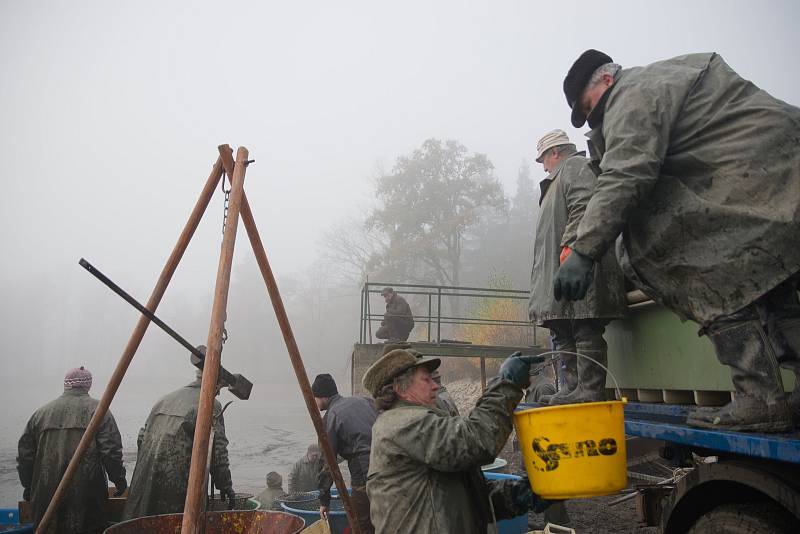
[398, 318]
[45, 449]
[161, 475]
[348, 424]
[701, 174]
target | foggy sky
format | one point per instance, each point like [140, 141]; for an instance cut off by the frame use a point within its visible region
[112, 112]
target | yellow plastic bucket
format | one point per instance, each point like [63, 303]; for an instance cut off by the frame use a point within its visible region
[574, 450]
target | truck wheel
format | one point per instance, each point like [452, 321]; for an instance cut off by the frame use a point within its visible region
[748, 518]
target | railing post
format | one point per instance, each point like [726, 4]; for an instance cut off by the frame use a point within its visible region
[439, 315]
[430, 300]
[361, 319]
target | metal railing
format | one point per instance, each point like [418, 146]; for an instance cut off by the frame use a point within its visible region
[435, 317]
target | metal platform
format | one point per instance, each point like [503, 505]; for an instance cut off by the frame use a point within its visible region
[667, 422]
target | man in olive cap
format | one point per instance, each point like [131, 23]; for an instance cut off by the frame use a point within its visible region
[425, 474]
[398, 320]
[348, 424]
[46, 447]
[700, 172]
[574, 326]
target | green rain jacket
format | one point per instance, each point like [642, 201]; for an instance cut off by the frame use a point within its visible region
[701, 174]
[564, 196]
[424, 469]
[45, 449]
[165, 453]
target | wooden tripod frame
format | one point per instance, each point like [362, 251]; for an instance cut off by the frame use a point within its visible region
[238, 205]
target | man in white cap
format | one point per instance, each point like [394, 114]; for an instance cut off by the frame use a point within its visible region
[700, 173]
[424, 472]
[574, 326]
[46, 447]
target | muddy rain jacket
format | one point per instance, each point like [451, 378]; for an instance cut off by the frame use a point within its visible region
[45, 449]
[701, 174]
[165, 453]
[564, 196]
[425, 475]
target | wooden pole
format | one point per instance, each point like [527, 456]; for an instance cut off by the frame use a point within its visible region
[133, 342]
[195, 492]
[296, 359]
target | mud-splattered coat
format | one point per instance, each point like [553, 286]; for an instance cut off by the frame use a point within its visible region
[424, 473]
[564, 196]
[45, 449]
[701, 174]
[165, 454]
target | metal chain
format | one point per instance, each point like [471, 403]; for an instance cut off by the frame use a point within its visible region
[224, 222]
[225, 206]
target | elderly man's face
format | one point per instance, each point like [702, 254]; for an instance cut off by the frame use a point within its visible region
[422, 390]
[551, 159]
[591, 95]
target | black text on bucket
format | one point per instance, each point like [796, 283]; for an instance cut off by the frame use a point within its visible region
[552, 453]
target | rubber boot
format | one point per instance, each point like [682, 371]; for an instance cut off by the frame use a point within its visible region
[569, 374]
[759, 403]
[563, 339]
[789, 330]
[591, 377]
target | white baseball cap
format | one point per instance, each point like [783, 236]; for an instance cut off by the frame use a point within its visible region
[549, 140]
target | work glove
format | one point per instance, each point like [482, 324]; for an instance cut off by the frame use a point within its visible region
[121, 486]
[231, 496]
[525, 498]
[26, 494]
[573, 277]
[517, 369]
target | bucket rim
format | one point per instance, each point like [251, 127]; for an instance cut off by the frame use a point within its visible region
[548, 409]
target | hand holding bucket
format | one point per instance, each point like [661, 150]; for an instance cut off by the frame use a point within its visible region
[574, 450]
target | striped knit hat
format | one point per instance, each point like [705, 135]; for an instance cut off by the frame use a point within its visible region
[78, 378]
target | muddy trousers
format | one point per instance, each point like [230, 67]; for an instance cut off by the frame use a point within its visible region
[361, 504]
[755, 342]
[584, 380]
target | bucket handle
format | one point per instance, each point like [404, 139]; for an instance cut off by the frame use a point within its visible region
[614, 378]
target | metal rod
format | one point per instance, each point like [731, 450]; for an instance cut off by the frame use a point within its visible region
[208, 386]
[361, 319]
[500, 295]
[439, 316]
[297, 361]
[133, 343]
[239, 385]
[382, 284]
[369, 313]
[430, 303]
[483, 374]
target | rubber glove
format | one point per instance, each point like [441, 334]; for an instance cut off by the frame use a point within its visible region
[121, 486]
[517, 369]
[573, 277]
[524, 497]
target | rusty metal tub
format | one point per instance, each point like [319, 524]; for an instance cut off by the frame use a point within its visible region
[233, 522]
